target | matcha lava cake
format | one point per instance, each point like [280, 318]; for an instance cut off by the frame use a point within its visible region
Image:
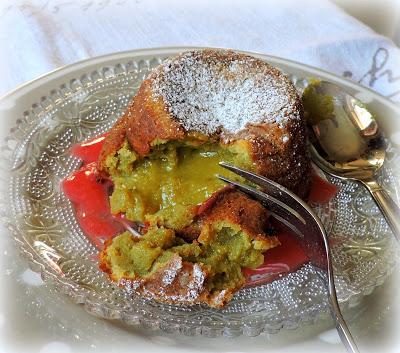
[162, 155]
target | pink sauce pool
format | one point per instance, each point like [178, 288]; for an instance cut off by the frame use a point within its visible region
[287, 257]
[90, 199]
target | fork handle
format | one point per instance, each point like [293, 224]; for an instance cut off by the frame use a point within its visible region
[388, 207]
[341, 327]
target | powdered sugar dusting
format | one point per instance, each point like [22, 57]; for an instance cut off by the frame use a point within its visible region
[175, 282]
[213, 91]
[171, 272]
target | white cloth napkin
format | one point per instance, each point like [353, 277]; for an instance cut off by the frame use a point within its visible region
[39, 35]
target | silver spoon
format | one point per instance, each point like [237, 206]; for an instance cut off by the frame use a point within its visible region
[347, 143]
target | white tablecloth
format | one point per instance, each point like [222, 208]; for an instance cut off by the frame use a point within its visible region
[41, 35]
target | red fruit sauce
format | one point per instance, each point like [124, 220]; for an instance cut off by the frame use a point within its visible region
[90, 199]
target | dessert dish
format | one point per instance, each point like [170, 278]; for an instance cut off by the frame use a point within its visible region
[91, 107]
[162, 155]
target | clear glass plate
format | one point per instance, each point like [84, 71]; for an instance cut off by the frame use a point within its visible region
[42, 220]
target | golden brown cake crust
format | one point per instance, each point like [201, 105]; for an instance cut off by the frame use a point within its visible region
[234, 207]
[144, 122]
[231, 206]
[176, 282]
[277, 143]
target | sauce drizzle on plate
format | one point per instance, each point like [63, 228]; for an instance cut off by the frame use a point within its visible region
[89, 197]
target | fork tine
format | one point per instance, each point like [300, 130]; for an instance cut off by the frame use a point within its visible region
[256, 179]
[307, 225]
[287, 223]
[271, 187]
[288, 202]
[275, 205]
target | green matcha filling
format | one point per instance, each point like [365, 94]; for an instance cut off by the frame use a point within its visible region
[223, 249]
[163, 190]
[318, 107]
[163, 187]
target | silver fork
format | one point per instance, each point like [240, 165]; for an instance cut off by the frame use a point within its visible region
[296, 214]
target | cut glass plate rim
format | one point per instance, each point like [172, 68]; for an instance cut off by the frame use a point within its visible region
[61, 75]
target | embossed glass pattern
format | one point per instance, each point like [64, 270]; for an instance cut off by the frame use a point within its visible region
[43, 224]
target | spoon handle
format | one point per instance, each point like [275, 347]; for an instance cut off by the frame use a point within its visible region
[388, 207]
